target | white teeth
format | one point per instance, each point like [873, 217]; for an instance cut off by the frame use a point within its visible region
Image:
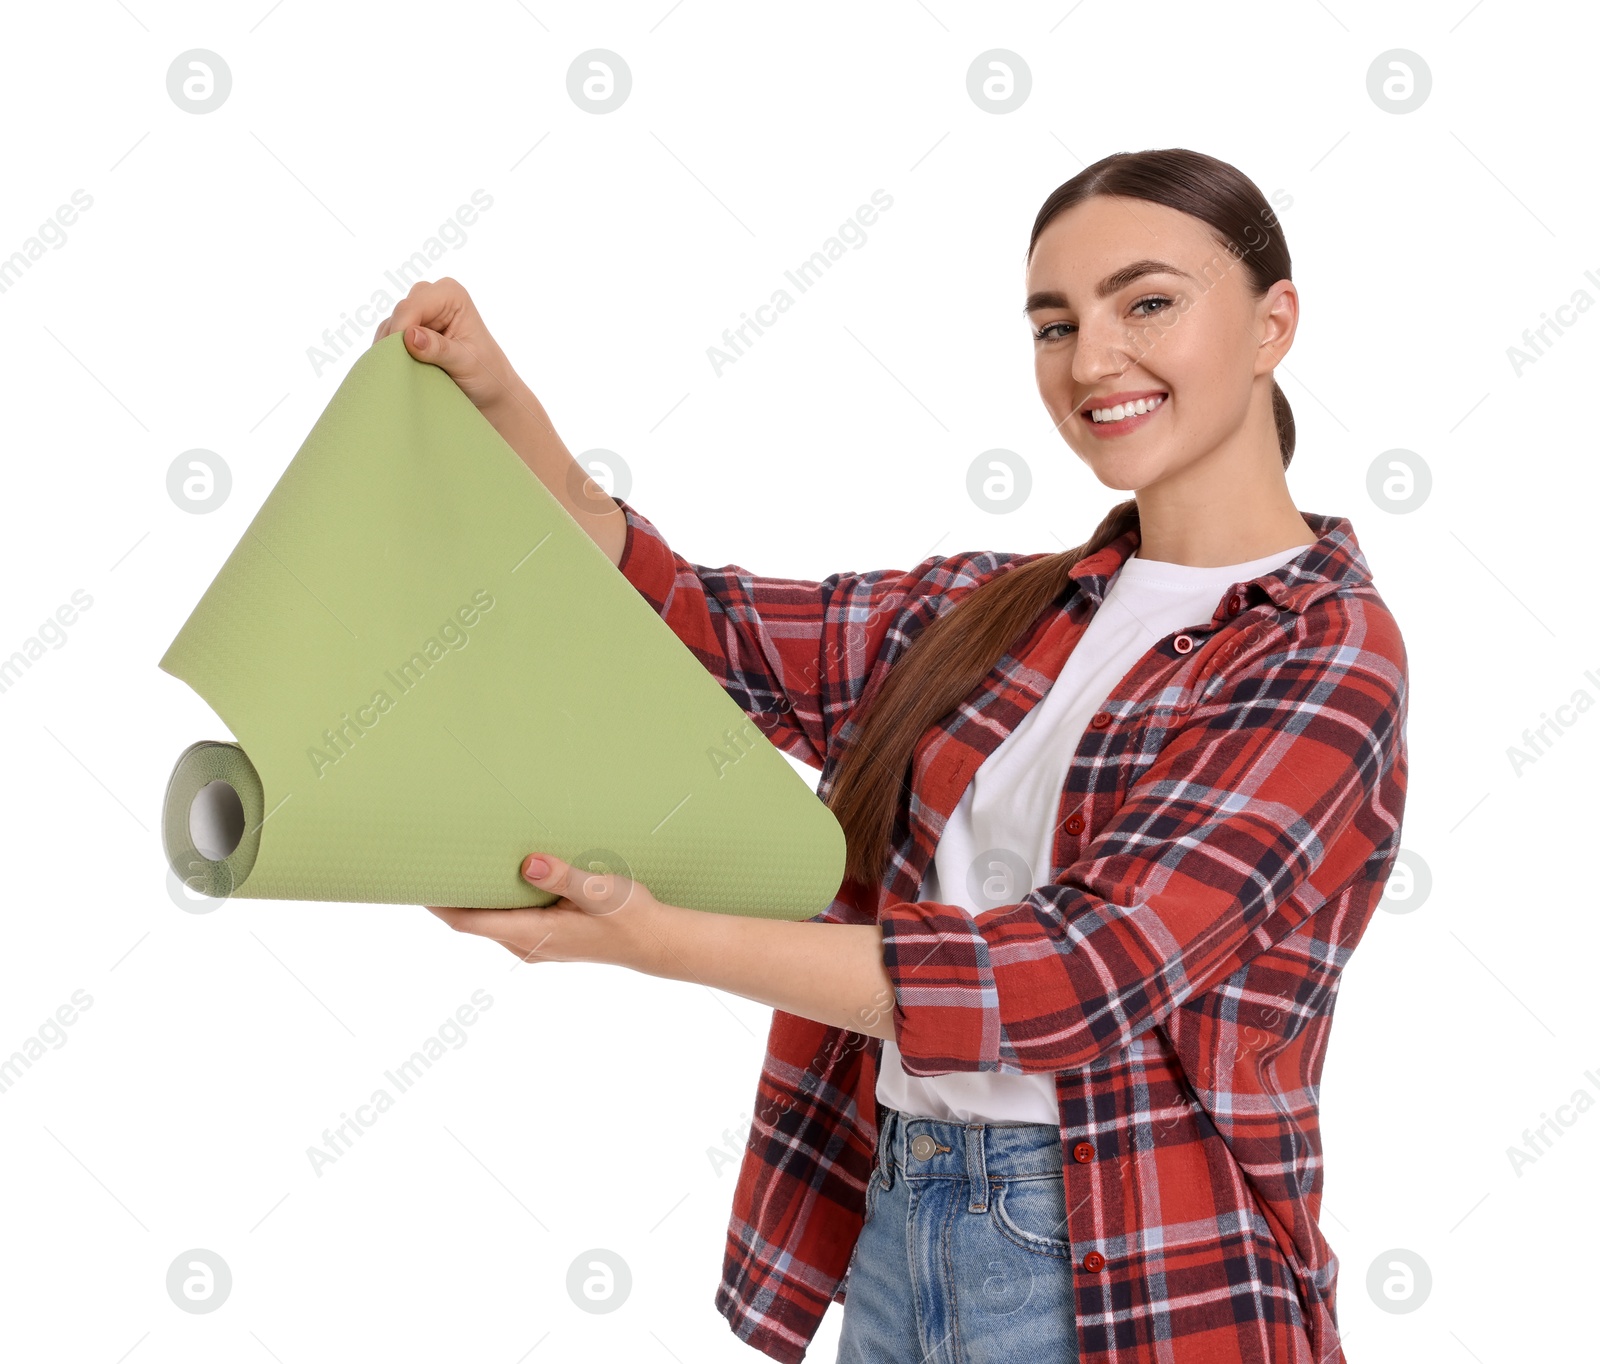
[1136, 408]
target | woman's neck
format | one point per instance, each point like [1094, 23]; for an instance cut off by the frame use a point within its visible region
[1209, 550]
[1229, 507]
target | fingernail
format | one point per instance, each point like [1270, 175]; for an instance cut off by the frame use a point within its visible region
[419, 338]
[535, 868]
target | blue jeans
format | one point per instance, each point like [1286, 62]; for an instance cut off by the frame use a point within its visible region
[963, 1258]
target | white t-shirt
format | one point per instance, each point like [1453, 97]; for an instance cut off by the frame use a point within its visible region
[1007, 814]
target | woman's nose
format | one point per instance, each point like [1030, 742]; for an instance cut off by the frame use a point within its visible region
[1094, 360]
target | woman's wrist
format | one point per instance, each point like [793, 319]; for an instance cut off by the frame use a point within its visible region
[645, 942]
[518, 415]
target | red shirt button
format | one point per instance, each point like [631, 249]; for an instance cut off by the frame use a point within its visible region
[1083, 1153]
[1074, 824]
[1183, 643]
[1234, 603]
[1094, 1262]
[1100, 720]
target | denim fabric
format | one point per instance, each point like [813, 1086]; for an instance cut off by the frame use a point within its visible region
[963, 1258]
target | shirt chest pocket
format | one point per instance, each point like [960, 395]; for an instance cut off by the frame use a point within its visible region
[1123, 740]
[1196, 674]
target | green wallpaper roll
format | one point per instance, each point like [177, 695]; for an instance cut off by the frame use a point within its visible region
[430, 671]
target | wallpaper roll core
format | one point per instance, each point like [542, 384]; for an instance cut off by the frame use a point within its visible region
[198, 766]
[430, 670]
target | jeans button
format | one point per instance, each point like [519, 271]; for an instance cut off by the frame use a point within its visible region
[923, 1146]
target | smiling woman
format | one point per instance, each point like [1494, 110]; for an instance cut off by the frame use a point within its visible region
[1152, 316]
[1115, 818]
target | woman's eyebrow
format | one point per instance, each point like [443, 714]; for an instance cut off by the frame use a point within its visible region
[1117, 279]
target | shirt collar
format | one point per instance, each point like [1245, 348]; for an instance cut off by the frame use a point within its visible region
[1334, 561]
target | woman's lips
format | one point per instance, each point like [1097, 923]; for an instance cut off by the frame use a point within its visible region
[1106, 430]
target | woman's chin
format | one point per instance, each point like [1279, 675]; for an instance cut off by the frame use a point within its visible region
[1123, 468]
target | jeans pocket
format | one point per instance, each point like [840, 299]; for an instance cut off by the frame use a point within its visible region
[1032, 1212]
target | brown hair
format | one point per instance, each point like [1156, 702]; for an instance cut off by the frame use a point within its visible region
[957, 649]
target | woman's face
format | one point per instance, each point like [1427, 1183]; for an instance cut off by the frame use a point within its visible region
[1133, 302]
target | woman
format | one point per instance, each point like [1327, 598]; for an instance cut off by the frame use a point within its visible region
[1042, 1081]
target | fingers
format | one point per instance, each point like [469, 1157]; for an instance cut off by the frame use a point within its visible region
[441, 305]
[456, 357]
[591, 891]
[437, 349]
[492, 924]
[558, 877]
[466, 920]
[441, 327]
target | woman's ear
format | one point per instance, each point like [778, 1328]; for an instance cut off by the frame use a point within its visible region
[1277, 315]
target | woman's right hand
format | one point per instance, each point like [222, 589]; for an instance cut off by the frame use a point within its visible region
[442, 327]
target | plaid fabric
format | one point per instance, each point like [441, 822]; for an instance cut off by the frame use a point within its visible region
[1227, 827]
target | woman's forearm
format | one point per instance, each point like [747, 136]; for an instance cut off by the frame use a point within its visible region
[832, 973]
[522, 422]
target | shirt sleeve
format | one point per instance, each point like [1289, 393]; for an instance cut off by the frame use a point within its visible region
[795, 654]
[1269, 799]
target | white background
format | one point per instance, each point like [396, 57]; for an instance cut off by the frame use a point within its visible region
[587, 1105]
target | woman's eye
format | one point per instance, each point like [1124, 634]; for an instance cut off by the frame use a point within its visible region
[1153, 298]
[1145, 307]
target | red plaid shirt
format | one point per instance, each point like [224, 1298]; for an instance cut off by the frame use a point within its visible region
[1226, 829]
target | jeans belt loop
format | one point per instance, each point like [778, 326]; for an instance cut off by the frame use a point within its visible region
[977, 1170]
[886, 1143]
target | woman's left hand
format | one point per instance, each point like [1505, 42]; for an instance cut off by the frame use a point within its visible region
[600, 917]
